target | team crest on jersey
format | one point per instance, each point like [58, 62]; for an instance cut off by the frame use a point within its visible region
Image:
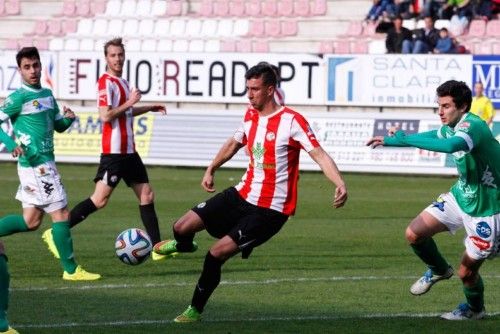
[270, 136]
[258, 151]
[37, 105]
[439, 203]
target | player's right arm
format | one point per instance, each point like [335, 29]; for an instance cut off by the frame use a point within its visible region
[106, 112]
[11, 107]
[226, 152]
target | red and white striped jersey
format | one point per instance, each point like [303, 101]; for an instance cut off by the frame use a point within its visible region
[117, 135]
[274, 144]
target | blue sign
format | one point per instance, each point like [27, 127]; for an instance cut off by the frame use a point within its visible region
[486, 69]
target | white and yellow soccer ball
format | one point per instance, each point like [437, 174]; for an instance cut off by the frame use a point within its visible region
[133, 246]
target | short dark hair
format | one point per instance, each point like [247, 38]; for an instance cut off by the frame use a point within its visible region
[27, 52]
[459, 92]
[264, 70]
[275, 69]
[117, 41]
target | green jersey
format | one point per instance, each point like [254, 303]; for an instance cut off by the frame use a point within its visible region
[34, 115]
[477, 189]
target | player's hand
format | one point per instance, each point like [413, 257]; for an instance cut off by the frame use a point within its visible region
[18, 151]
[159, 108]
[208, 183]
[392, 130]
[68, 113]
[135, 96]
[375, 141]
[340, 196]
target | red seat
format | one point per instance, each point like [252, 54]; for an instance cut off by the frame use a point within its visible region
[12, 7]
[253, 8]
[359, 46]
[342, 46]
[256, 28]
[261, 46]
[221, 8]
[269, 8]
[319, 7]
[355, 28]
[493, 28]
[83, 8]
[289, 28]
[244, 45]
[285, 8]
[273, 28]
[174, 8]
[54, 28]
[301, 8]
[228, 45]
[237, 8]
[325, 47]
[477, 28]
[206, 8]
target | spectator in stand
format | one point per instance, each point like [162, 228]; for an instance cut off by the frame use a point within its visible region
[380, 9]
[424, 39]
[461, 8]
[445, 44]
[403, 8]
[396, 36]
[482, 105]
[432, 8]
[482, 9]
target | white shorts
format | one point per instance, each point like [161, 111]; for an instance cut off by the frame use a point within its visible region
[483, 233]
[41, 187]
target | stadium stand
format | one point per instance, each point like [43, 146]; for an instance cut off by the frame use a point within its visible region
[210, 25]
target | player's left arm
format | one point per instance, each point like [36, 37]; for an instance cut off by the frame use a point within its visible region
[136, 111]
[63, 122]
[331, 171]
[458, 142]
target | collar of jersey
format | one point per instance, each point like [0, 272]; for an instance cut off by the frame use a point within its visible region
[30, 87]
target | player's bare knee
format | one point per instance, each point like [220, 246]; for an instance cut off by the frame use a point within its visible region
[147, 198]
[411, 236]
[100, 202]
[467, 275]
[33, 224]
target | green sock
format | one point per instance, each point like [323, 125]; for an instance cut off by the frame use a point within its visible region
[4, 293]
[64, 245]
[428, 252]
[12, 224]
[475, 295]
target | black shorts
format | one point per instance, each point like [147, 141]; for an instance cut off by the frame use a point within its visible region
[114, 167]
[248, 225]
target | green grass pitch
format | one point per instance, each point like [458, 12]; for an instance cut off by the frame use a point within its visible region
[328, 271]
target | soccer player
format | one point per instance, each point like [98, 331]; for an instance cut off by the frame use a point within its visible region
[35, 115]
[4, 293]
[119, 159]
[473, 201]
[247, 215]
[481, 104]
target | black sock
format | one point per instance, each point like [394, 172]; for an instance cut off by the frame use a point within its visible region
[209, 280]
[150, 221]
[184, 242]
[81, 211]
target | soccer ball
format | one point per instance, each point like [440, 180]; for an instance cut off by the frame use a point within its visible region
[133, 246]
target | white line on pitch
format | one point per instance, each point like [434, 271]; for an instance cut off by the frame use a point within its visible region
[257, 319]
[246, 282]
